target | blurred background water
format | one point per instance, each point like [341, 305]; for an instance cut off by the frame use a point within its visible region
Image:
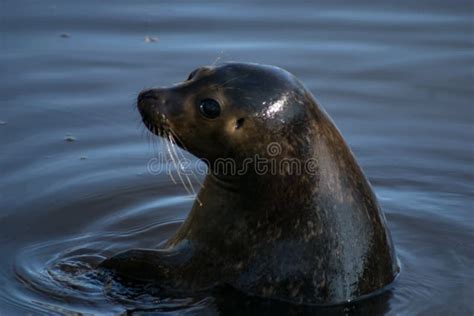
[396, 76]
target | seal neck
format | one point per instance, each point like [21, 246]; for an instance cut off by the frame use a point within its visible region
[226, 203]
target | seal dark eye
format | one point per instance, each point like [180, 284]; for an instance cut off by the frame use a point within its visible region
[210, 108]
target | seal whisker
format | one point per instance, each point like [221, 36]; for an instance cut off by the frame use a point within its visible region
[174, 135]
[176, 167]
[173, 142]
[232, 79]
[217, 58]
[149, 139]
[166, 160]
[231, 88]
[154, 144]
[168, 168]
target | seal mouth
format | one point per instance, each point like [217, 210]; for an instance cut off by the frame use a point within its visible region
[159, 125]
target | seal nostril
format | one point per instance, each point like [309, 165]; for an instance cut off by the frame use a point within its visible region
[239, 123]
[147, 94]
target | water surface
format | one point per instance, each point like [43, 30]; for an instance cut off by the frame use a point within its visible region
[397, 78]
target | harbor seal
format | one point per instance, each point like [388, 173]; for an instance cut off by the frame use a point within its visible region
[313, 235]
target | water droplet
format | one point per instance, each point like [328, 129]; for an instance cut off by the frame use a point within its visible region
[151, 39]
[70, 138]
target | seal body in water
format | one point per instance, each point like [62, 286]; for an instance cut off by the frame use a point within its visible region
[313, 235]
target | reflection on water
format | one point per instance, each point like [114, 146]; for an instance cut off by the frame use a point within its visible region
[395, 76]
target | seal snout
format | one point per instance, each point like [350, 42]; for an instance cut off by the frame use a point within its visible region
[146, 94]
[150, 97]
[149, 104]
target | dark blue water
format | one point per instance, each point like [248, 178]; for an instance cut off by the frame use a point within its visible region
[397, 78]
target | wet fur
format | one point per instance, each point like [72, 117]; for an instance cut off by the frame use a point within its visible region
[312, 238]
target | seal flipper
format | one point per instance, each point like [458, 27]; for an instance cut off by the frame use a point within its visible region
[162, 266]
